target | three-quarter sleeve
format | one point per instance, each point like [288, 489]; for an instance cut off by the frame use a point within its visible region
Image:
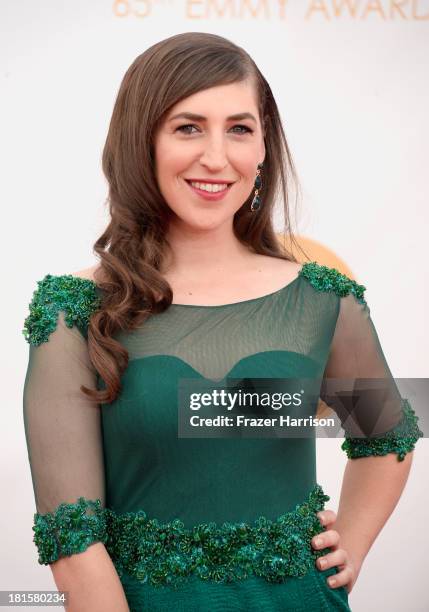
[359, 386]
[62, 426]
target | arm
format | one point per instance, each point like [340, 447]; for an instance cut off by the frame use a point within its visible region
[365, 396]
[371, 489]
[65, 452]
[91, 580]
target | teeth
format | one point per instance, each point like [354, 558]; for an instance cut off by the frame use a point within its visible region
[213, 187]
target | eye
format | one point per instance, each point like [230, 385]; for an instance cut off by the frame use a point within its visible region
[182, 128]
[244, 127]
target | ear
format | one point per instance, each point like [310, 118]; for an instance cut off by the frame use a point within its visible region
[264, 132]
[262, 154]
[265, 122]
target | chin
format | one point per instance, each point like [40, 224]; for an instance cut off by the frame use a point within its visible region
[203, 224]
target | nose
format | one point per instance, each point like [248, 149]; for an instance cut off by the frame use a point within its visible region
[214, 156]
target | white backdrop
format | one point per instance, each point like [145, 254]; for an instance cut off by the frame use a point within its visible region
[352, 88]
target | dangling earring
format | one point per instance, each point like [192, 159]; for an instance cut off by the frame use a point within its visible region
[256, 202]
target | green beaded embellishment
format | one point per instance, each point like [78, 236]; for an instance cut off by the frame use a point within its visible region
[168, 553]
[401, 439]
[69, 529]
[324, 278]
[76, 296]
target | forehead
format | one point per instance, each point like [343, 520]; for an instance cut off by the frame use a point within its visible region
[221, 100]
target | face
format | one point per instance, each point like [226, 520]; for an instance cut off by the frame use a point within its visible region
[211, 147]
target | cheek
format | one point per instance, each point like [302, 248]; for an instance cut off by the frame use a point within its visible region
[168, 157]
[171, 169]
[245, 167]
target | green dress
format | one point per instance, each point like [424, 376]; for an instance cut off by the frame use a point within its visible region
[195, 524]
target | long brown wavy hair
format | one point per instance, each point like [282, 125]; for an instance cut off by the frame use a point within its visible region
[133, 246]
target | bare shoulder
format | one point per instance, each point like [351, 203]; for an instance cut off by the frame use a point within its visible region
[293, 266]
[286, 270]
[270, 273]
[283, 268]
[88, 273]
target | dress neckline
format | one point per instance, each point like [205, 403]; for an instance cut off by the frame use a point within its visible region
[256, 299]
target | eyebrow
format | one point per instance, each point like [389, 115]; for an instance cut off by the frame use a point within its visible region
[195, 117]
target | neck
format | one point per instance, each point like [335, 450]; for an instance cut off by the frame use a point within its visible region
[196, 252]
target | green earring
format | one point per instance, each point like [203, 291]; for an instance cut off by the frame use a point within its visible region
[256, 202]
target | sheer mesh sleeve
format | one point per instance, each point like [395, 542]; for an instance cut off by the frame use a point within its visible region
[359, 386]
[62, 428]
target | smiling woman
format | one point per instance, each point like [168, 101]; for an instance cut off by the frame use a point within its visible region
[122, 501]
[214, 162]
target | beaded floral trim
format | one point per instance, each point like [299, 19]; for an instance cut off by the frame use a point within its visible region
[167, 553]
[79, 299]
[69, 529]
[76, 296]
[401, 439]
[324, 278]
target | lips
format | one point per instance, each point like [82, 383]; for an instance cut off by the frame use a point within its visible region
[209, 182]
[209, 195]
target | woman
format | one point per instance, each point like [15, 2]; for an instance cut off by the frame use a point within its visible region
[193, 284]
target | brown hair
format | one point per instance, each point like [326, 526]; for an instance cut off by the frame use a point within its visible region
[133, 246]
